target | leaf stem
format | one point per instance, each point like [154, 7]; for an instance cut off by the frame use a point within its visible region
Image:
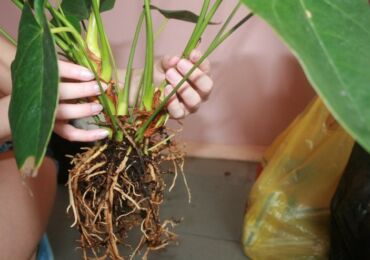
[18, 3]
[8, 36]
[148, 93]
[193, 38]
[106, 69]
[123, 95]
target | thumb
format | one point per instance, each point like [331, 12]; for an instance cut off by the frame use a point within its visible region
[162, 65]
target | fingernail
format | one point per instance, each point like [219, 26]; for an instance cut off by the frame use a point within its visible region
[195, 55]
[178, 113]
[101, 134]
[96, 108]
[172, 75]
[87, 74]
[97, 88]
[184, 65]
[174, 60]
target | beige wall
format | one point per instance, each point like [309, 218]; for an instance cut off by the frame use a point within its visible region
[259, 86]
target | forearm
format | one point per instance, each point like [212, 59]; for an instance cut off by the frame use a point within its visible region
[7, 54]
[4, 121]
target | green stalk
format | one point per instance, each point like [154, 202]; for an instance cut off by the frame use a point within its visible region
[106, 65]
[62, 39]
[228, 20]
[139, 93]
[215, 43]
[124, 94]
[147, 101]
[18, 3]
[161, 28]
[193, 38]
[207, 20]
[8, 36]
[92, 39]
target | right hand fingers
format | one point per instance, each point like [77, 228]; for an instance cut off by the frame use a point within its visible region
[74, 134]
[175, 108]
[79, 90]
[168, 62]
[75, 72]
[74, 111]
[189, 95]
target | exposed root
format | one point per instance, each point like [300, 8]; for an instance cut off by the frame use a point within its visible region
[118, 187]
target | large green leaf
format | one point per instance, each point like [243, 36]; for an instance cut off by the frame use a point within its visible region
[331, 39]
[35, 89]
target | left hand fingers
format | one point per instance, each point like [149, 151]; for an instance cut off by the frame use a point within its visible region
[75, 111]
[75, 72]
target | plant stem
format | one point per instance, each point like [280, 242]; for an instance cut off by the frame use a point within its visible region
[161, 28]
[106, 65]
[8, 36]
[204, 25]
[228, 20]
[18, 3]
[193, 38]
[92, 40]
[148, 94]
[139, 93]
[124, 94]
[62, 39]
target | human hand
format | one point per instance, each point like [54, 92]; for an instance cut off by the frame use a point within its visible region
[193, 92]
[77, 82]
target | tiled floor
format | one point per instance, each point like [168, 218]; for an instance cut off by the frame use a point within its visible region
[212, 222]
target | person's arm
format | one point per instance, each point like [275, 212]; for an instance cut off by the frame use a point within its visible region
[4, 122]
[7, 54]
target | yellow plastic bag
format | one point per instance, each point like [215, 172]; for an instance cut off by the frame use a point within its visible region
[288, 210]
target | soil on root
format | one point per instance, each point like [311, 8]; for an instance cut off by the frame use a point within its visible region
[117, 187]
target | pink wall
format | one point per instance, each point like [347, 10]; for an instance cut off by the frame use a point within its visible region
[259, 86]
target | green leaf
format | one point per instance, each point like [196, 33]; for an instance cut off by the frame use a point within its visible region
[331, 39]
[80, 9]
[182, 15]
[106, 5]
[35, 89]
[72, 19]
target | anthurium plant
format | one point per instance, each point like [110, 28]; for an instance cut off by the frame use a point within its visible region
[117, 185]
